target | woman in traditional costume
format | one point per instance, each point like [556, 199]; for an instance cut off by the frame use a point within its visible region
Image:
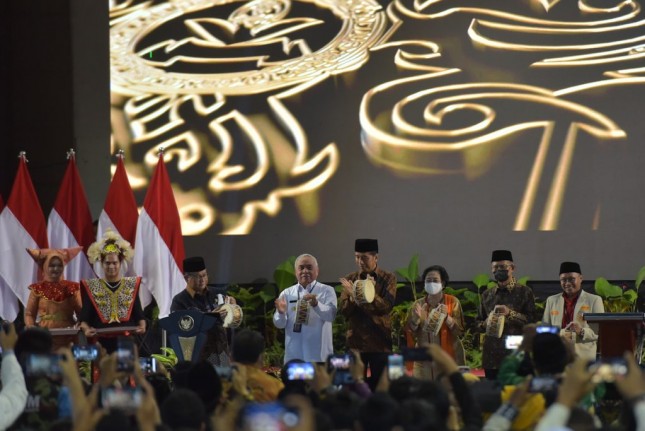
[53, 301]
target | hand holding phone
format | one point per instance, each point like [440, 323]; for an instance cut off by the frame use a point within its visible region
[125, 355]
[543, 384]
[341, 364]
[607, 369]
[85, 353]
[547, 329]
[513, 342]
[395, 367]
[300, 371]
[126, 398]
[269, 416]
[148, 365]
[416, 354]
[43, 365]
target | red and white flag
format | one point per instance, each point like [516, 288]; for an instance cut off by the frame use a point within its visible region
[6, 295]
[120, 212]
[22, 225]
[159, 251]
[70, 222]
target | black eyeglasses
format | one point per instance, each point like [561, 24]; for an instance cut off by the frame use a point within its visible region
[566, 280]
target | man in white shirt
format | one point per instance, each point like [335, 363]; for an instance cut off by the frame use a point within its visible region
[13, 396]
[309, 340]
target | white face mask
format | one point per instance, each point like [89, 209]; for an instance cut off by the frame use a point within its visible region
[433, 288]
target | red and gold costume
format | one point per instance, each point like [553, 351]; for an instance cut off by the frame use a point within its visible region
[52, 304]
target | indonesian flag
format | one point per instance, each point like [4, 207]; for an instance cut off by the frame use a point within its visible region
[159, 253]
[5, 292]
[22, 225]
[70, 222]
[120, 212]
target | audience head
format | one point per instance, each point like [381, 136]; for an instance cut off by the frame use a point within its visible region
[248, 347]
[380, 412]
[342, 409]
[549, 354]
[33, 341]
[205, 382]
[183, 409]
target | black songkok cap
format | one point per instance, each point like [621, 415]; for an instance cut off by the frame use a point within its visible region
[566, 267]
[364, 245]
[499, 255]
[194, 264]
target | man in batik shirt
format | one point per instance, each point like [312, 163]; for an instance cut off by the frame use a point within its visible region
[369, 324]
[509, 299]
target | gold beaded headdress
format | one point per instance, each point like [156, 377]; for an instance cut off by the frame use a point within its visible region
[111, 243]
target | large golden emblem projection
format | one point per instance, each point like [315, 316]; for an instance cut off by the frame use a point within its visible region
[326, 108]
[213, 96]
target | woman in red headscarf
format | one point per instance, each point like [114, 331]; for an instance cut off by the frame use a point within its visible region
[53, 301]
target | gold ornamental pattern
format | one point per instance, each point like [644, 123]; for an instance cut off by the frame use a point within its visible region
[113, 306]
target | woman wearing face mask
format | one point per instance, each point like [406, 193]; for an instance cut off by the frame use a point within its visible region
[435, 279]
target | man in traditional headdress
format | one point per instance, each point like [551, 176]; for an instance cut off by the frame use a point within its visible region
[565, 310]
[112, 301]
[369, 323]
[514, 301]
[199, 296]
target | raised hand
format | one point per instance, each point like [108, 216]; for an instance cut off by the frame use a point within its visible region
[281, 305]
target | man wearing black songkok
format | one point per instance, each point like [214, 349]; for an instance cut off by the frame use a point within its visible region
[369, 324]
[514, 301]
[199, 296]
[565, 310]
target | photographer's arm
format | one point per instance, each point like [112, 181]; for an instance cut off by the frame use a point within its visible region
[13, 396]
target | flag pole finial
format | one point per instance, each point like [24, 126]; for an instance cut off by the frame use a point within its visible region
[120, 154]
[23, 156]
[161, 151]
[71, 154]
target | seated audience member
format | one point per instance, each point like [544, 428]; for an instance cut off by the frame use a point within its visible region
[204, 381]
[380, 412]
[13, 396]
[564, 310]
[184, 410]
[342, 408]
[42, 402]
[538, 354]
[578, 383]
[248, 352]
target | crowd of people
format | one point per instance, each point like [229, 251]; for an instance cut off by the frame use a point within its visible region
[551, 380]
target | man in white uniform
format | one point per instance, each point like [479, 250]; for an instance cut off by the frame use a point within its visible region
[311, 340]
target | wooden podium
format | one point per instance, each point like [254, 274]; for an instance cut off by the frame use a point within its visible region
[618, 332]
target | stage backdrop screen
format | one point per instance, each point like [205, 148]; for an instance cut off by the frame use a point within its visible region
[444, 128]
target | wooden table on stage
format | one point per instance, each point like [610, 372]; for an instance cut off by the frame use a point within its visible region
[63, 331]
[123, 330]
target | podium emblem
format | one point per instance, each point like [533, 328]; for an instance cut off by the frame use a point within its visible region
[186, 323]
